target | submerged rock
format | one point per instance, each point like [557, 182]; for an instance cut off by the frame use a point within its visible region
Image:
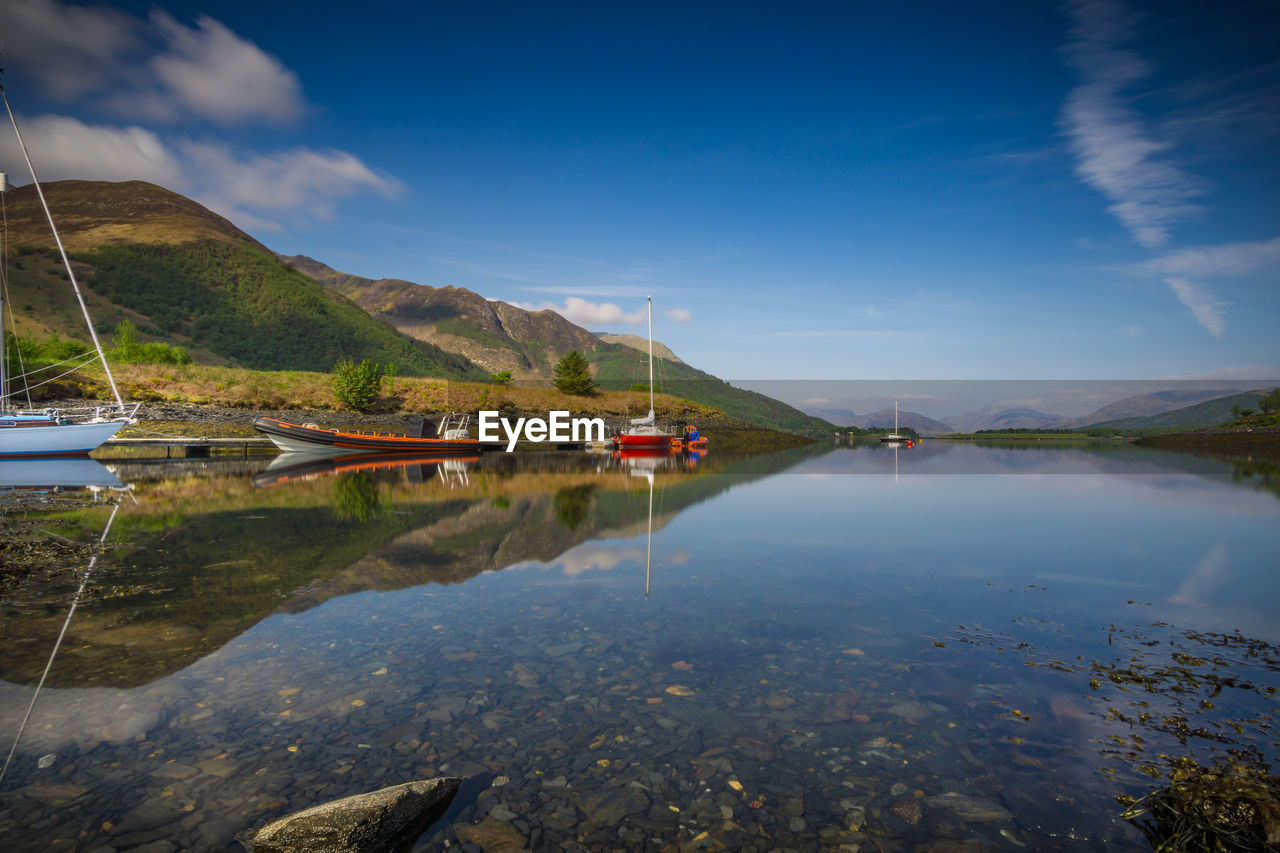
[974, 809]
[365, 823]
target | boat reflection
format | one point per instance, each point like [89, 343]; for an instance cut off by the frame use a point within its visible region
[652, 458]
[417, 467]
[643, 462]
[57, 473]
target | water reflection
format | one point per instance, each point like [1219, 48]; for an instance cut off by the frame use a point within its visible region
[60, 473]
[820, 660]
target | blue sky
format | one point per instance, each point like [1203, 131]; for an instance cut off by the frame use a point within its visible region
[842, 191]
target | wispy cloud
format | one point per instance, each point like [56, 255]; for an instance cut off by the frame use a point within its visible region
[1184, 270]
[679, 315]
[208, 70]
[1115, 152]
[1203, 261]
[1200, 302]
[298, 179]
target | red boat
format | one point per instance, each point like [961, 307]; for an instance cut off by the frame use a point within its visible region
[643, 432]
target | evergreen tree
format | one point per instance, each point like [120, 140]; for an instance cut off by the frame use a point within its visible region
[573, 375]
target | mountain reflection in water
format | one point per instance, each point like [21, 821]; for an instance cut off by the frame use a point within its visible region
[787, 650]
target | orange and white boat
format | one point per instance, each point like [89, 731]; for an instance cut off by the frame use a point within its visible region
[452, 437]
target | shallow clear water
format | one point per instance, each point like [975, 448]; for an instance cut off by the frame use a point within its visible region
[838, 646]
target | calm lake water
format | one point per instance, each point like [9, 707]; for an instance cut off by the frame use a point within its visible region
[840, 647]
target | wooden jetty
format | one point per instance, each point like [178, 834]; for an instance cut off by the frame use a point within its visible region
[181, 447]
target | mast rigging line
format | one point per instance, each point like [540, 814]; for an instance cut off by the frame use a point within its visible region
[66, 261]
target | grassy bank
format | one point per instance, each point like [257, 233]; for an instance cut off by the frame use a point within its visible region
[221, 402]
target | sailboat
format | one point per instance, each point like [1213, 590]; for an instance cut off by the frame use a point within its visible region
[34, 432]
[644, 432]
[893, 437]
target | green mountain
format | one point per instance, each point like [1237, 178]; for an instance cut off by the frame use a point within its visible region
[1209, 413]
[499, 337]
[187, 276]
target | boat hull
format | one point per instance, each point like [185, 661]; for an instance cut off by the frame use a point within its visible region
[296, 438]
[634, 442]
[56, 439]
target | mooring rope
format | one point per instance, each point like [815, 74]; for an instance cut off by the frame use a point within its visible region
[75, 601]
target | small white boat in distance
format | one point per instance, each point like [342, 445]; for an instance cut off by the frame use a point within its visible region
[893, 437]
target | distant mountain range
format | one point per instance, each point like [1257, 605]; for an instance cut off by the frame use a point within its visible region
[883, 419]
[186, 276]
[1018, 418]
[1168, 409]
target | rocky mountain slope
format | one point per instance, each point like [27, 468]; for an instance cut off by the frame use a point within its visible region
[494, 335]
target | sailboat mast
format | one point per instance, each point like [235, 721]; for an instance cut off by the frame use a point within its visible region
[650, 298]
[4, 286]
[895, 417]
[71, 274]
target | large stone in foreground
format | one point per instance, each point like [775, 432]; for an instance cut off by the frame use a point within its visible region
[377, 822]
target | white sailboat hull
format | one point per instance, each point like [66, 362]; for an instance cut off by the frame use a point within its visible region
[56, 439]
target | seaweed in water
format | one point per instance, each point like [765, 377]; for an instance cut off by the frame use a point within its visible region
[1227, 807]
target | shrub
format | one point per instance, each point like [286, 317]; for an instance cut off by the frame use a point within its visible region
[129, 351]
[357, 385]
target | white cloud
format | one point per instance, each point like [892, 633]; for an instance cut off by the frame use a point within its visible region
[1201, 304]
[64, 147]
[1115, 154]
[156, 68]
[1200, 261]
[248, 189]
[300, 181]
[70, 50]
[679, 315]
[210, 71]
[592, 315]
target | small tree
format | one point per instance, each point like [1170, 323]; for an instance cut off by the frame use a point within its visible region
[573, 375]
[503, 378]
[357, 385]
[127, 347]
[1270, 402]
